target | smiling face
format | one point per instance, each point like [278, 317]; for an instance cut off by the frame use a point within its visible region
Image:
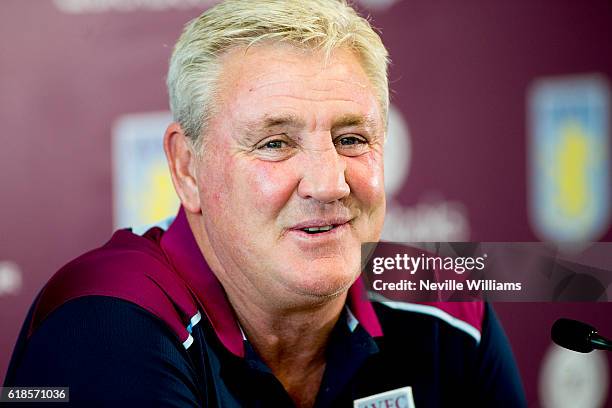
[290, 183]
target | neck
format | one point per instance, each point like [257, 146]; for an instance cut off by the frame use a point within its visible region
[292, 343]
[298, 333]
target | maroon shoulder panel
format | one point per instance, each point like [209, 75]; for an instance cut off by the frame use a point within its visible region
[128, 267]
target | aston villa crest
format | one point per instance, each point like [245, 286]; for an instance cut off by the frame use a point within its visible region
[569, 163]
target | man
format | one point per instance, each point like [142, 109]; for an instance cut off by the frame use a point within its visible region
[251, 297]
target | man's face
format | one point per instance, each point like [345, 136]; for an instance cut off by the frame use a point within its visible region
[291, 179]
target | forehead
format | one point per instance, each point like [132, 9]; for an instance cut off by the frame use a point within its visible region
[280, 80]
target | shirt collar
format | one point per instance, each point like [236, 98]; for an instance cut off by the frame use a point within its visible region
[183, 252]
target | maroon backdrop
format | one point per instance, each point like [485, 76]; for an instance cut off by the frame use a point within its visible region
[460, 76]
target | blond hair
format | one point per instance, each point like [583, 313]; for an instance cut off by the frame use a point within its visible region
[315, 24]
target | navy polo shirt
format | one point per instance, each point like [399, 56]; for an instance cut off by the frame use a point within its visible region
[110, 350]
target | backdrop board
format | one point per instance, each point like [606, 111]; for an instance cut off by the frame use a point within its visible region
[499, 131]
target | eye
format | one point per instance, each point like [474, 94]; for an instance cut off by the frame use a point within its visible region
[351, 145]
[275, 148]
[350, 141]
[273, 145]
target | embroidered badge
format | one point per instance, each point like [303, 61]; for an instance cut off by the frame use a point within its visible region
[397, 398]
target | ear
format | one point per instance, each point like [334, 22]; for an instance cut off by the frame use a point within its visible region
[183, 164]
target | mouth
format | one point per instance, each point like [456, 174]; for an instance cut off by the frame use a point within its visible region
[318, 230]
[321, 227]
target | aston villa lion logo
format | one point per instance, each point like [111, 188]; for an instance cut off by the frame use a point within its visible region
[569, 178]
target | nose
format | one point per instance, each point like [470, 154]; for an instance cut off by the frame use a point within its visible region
[323, 177]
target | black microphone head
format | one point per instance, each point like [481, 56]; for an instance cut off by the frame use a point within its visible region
[573, 335]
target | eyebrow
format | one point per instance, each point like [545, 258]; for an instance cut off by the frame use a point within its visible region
[352, 120]
[270, 121]
[296, 122]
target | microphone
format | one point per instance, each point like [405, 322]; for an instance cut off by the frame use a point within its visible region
[578, 336]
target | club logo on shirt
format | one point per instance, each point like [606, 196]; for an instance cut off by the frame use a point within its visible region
[397, 398]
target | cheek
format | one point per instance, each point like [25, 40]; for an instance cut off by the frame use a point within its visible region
[215, 182]
[365, 177]
[266, 185]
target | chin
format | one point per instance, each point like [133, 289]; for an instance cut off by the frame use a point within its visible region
[323, 284]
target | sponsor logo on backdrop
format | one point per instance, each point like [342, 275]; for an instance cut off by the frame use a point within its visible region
[101, 6]
[432, 218]
[142, 188]
[570, 379]
[11, 279]
[378, 4]
[569, 144]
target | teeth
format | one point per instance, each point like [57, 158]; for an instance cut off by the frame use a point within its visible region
[319, 229]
